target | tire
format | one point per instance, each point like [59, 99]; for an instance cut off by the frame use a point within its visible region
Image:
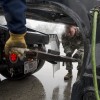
[41, 62]
[89, 95]
[17, 76]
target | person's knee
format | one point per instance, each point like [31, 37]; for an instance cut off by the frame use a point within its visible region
[69, 54]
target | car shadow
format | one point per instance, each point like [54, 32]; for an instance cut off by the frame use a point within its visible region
[29, 88]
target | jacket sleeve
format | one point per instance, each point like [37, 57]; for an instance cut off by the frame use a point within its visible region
[14, 11]
[65, 44]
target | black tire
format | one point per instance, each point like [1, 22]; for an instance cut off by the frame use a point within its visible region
[89, 95]
[77, 91]
[18, 76]
[41, 62]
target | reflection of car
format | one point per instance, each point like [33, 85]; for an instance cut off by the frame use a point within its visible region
[75, 12]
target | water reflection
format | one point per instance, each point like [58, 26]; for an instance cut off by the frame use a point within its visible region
[65, 95]
[67, 91]
[55, 95]
[27, 89]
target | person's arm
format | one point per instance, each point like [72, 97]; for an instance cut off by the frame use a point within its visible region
[14, 11]
[65, 44]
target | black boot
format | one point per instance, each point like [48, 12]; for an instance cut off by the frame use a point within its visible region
[69, 75]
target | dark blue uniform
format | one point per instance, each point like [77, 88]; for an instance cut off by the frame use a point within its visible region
[14, 11]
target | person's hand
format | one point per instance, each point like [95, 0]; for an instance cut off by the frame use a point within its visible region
[15, 40]
[72, 30]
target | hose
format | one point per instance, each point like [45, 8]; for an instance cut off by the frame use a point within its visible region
[93, 55]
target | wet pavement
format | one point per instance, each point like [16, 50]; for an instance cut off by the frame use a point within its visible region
[40, 86]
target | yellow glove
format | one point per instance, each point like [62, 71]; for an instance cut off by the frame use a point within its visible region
[15, 40]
